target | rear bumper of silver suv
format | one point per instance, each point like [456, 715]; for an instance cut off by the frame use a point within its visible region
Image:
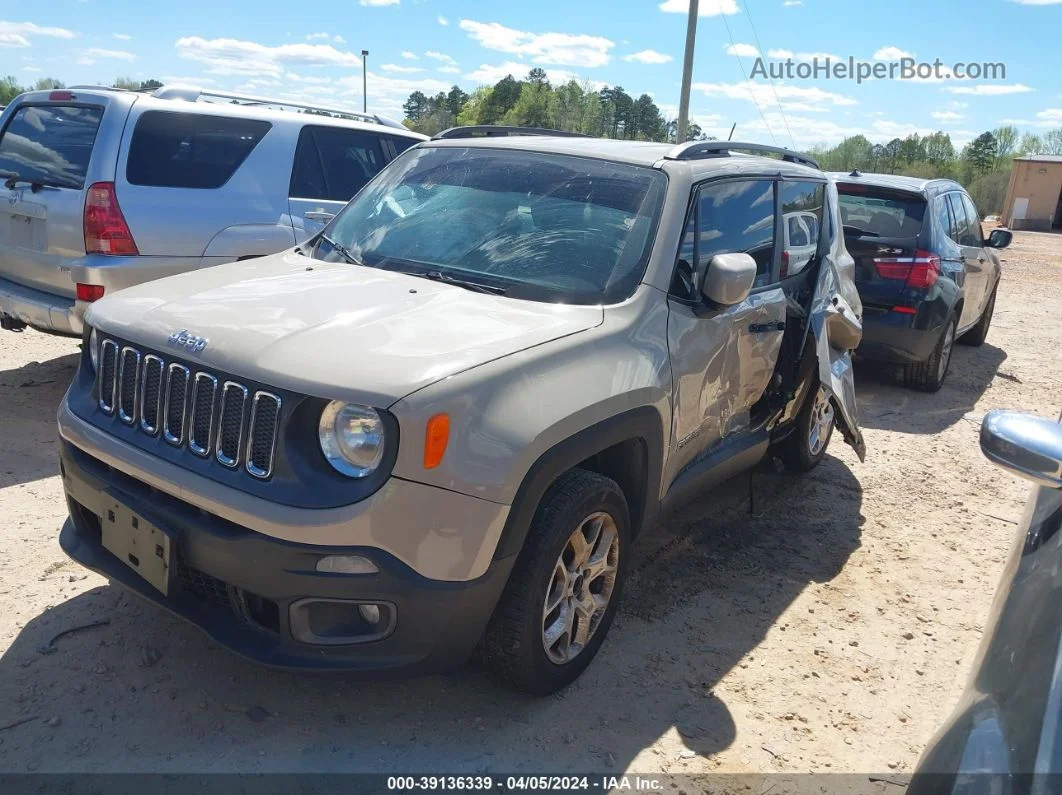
[41, 310]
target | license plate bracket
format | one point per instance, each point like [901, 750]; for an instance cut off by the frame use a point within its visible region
[142, 546]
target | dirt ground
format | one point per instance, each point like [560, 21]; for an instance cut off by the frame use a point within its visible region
[828, 627]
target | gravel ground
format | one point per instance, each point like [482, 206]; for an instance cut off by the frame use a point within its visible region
[828, 626]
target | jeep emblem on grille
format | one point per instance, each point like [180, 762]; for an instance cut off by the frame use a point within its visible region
[182, 339]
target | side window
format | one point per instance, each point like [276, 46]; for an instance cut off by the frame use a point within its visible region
[976, 237]
[802, 211]
[401, 144]
[958, 218]
[332, 163]
[943, 214]
[190, 150]
[738, 217]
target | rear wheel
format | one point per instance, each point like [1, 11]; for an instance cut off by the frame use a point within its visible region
[928, 376]
[560, 600]
[805, 447]
[977, 335]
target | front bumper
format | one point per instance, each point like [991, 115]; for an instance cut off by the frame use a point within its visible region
[42, 310]
[244, 589]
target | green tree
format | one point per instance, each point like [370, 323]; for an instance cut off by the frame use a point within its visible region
[1006, 141]
[534, 107]
[472, 110]
[128, 83]
[568, 108]
[501, 100]
[150, 85]
[648, 123]
[1030, 145]
[980, 153]
[537, 76]
[48, 84]
[416, 106]
[1051, 143]
[456, 100]
[9, 89]
[940, 151]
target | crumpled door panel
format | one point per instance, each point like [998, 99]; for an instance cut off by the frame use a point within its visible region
[837, 321]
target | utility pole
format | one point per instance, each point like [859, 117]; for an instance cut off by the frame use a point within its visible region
[364, 83]
[687, 74]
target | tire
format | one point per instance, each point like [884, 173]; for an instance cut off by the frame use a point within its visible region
[977, 335]
[928, 376]
[803, 449]
[514, 645]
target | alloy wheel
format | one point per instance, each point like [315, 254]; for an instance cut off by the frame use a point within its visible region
[821, 423]
[580, 587]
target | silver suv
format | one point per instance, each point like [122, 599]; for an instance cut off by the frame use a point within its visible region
[442, 421]
[109, 188]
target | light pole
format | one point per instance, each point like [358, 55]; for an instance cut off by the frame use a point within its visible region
[364, 83]
[687, 75]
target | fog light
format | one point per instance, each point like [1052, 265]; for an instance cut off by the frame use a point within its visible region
[371, 613]
[347, 564]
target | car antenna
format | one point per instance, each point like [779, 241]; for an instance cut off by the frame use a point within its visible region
[855, 173]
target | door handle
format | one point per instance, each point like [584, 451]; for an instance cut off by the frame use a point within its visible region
[319, 215]
[763, 328]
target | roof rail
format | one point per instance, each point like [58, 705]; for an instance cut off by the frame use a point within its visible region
[699, 150]
[500, 131]
[193, 94]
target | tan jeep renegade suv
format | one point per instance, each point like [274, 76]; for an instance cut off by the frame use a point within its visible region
[441, 422]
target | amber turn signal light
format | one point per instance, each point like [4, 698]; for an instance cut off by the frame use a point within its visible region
[436, 436]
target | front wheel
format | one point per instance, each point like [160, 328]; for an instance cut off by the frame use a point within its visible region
[560, 600]
[805, 447]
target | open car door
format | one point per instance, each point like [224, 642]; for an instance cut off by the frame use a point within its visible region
[836, 319]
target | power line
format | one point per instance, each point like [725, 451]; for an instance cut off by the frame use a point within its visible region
[752, 94]
[759, 46]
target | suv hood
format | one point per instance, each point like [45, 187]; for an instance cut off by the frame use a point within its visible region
[332, 330]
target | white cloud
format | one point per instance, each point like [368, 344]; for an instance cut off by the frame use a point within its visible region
[171, 80]
[1037, 2]
[812, 131]
[1051, 115]
[490, 74]
[891, 54]
[1050, 118]
[792, 98]
[564, 49]
[442, 21]
[946, 115]
[237, 57]
[647, 57]
[378, 2]
[391, 67]
[441, 56]
[18, 34]
[307, 79]
[450, 70]
[386, 94]
[92, 54]
[325, 37]
[708, 8]
[122, 36]
[31, 69]
[412, 56]
[990, 90]
[781, 54]
[791, 3]
[743, 50]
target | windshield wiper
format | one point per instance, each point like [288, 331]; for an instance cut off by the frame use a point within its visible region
[340, 249]
[446, 278]
[35, 184]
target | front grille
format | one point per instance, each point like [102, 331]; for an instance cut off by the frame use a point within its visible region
[204, 389]
[265, 417]
[151, 394]
[108, 374]
[190, 410]
[230, 424]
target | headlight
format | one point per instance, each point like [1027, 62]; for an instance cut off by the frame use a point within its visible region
[94, 350]
[352, 438]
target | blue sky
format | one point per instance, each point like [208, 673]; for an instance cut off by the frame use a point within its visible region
[313, 50]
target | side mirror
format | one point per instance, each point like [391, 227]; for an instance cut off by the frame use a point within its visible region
[728, 279]
[999, 238]
[1027, 445]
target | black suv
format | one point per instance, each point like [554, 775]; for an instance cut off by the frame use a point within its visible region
[925, 273]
